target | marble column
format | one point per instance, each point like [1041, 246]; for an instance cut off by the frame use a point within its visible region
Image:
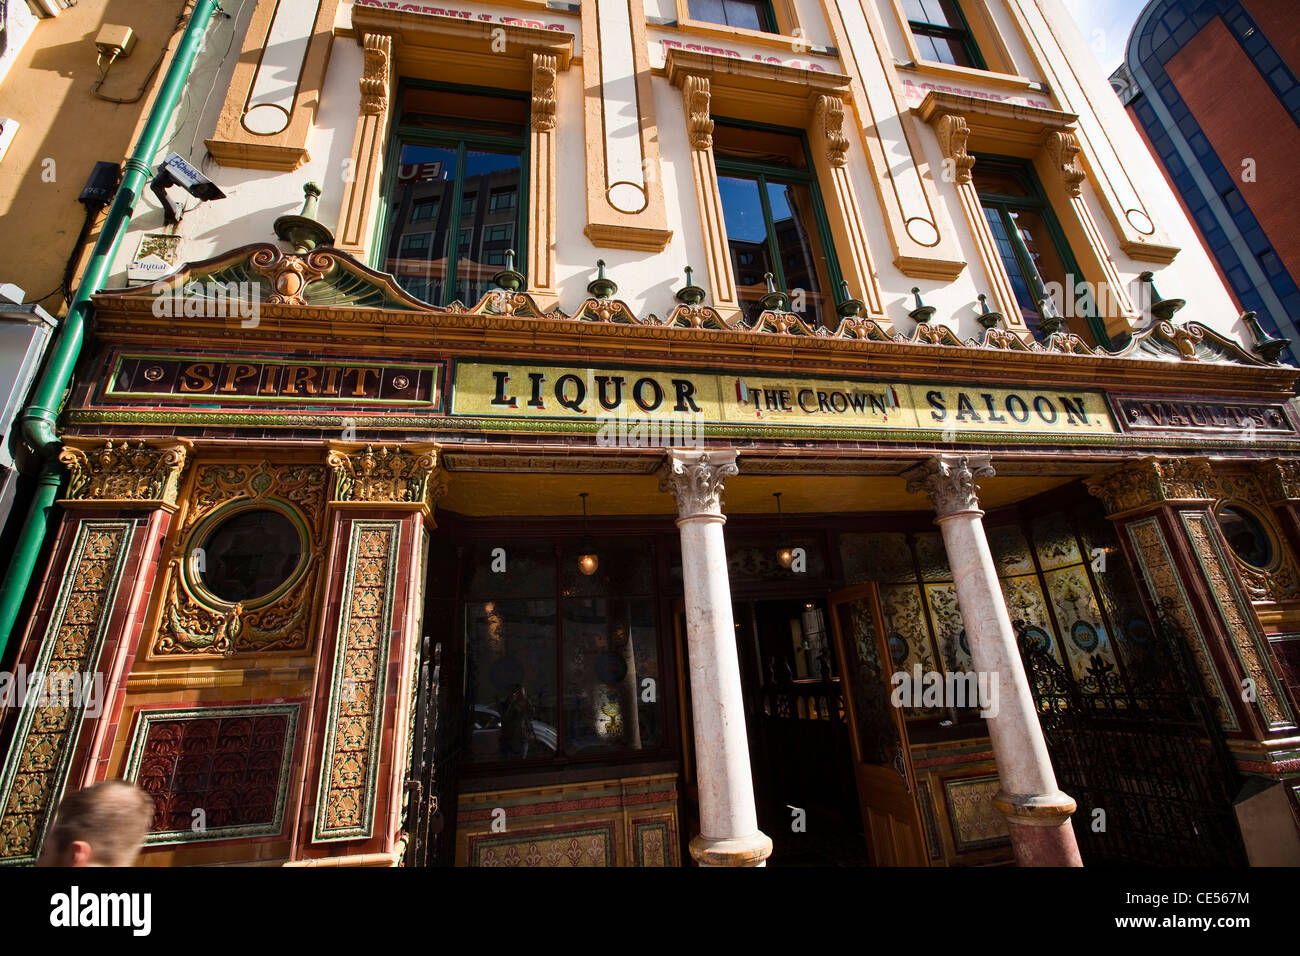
[1037, 812]
[729, 834]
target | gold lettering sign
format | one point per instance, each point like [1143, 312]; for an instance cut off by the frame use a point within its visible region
[599, 395]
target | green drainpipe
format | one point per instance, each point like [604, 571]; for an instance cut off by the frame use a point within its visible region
[38, 419]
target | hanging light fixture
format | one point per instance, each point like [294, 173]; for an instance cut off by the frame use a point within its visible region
[786, 555]
[588, 561]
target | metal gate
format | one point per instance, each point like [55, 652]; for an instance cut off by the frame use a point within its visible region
[1142, 754]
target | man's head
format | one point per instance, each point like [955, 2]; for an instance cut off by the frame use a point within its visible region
[103, 825]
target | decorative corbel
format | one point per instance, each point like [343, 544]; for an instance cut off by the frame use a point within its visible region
[699, 124]
[375, 73]
[545, 70]
[830, 117]
[1064, 153]
[953, 132]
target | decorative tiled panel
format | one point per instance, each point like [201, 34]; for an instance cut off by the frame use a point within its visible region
[345, 804]
[35, 771]
[1244, 634]
[579, 845]
[975, 823]
[1163, 582]
[230, 763]
[628, 822]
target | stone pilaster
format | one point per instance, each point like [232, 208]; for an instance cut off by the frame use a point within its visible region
[363, 706]
[84, 631]
[729, 834]
[1037, 812]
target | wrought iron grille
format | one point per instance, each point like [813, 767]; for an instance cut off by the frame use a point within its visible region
[1144, 748]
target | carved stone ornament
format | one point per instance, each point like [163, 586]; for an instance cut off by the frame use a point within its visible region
[1280, 478]
[950, 481]
[389, 474]
[953, 133]
[830, 116]
[545, 68]
[695, 479]
[144, 471]
[291, 274]
[194, 621]
[1064, 152]
[375, 73]
[699, 124]
[1152, 481]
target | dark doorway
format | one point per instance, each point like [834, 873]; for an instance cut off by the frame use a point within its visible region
[799, 736]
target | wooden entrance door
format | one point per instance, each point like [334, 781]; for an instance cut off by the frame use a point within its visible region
[882, 764]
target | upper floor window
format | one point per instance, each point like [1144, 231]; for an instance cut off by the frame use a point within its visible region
[1044, 275]
[451, 146]
[775, 220]
[942, 33]
[747, 14]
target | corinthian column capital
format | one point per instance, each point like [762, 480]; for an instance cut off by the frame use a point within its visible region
[949, 480]
[696, 478]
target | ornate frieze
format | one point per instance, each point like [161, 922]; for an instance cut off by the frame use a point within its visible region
[375, 72]
[141, 472]
[696, 479]
[195, 622]
[35, 772]
[950, 481]
[345, 803]
[387, 474]
[1152, 481]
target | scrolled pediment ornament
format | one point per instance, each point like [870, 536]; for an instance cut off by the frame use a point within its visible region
[950, 481]
[147, 470]
[290, 275]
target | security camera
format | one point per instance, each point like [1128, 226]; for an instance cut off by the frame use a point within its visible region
[175, 171]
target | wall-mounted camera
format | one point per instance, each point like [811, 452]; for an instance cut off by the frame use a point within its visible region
[175, 171]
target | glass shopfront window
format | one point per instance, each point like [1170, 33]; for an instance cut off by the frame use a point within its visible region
[453, 147]
[560, 664]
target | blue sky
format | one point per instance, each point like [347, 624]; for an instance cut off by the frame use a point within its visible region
[1105, 24]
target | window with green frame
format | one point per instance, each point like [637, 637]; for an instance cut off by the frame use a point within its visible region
[1045, 277]
[775, 219]
[450, 146]
[746, 14]
[942, 33]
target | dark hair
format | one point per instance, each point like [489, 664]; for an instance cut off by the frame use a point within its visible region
[113, 816]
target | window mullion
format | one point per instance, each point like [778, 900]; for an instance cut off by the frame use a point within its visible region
[453, 227]
[773, 250]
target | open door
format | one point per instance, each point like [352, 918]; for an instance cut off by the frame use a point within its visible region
[881, 760]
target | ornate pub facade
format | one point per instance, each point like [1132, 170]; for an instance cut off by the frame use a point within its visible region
[645, 433]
